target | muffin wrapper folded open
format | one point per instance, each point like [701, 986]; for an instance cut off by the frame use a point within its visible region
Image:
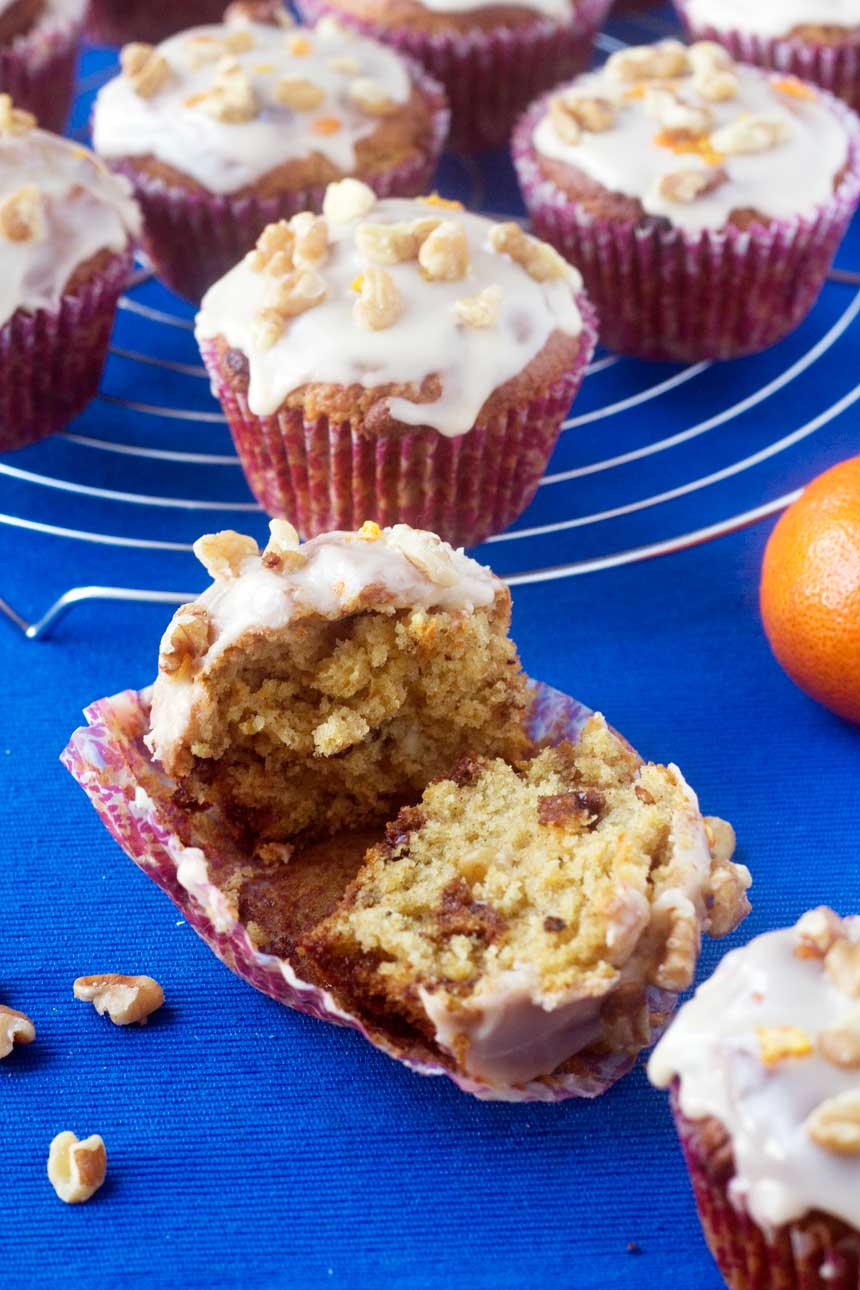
[490, 74]
[135, 801]
[835, 67]
[811, 1256]
[113, 22]
[324, 475]
[666, 293]
[37, 68]
[51, 362]
[194, 238]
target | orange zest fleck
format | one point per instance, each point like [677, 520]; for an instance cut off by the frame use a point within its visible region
[797, 89]
[358, 283]
[299, 46]
[445, 203]
[326, 125]
[263, 69]
[370, 531]
[683, 143]
[778, 1043]
[636, 91]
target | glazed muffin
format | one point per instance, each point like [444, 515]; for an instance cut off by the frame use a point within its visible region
[114, 22]
[818, 40]
[66, 231]
[225, 129]
[703, 200]
[764, 1067]
[38, 53]
[400, 359]
[522, 914]
[492, 58]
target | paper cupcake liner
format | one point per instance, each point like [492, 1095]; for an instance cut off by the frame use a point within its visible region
[816, 1253]
[38, 68]
[135, 801]
[194, 238]
[51, 363]
[835, 67]
[113, 22]
[323, 475]
[665, 293]
[490, 74]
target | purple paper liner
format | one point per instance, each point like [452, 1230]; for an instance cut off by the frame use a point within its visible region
[134, 799]
[815, 1253]
[490, 74]
[323, 475]
[193, 238]
[37, 68]
[835, 67]
[51, 362]
[664, 293]
[113, 22]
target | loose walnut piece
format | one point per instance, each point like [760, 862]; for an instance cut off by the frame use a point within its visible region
[685, 186]
[728, 882]
[843, 967]
[649, 62]
[125, 999]
[282, 552]
[426, 552]
[482, 310]
[186, 639]
[386, 244]
[14, 120]
[348, 199]
[371, 97]
[231, 98]
[540, 260]
[379, 304]
[222, 554]
[76, 1169]
[146, 70]
[816, 932]
[571, 113]
[444, 254]
[840, 1044]
[22, 215]
[676, 923]
[15, 1028]
[835, 1124]
[299, 94]
[750, 133]
[273, 253]
[674, 112]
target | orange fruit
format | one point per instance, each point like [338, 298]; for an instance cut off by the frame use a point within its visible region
[810, 590]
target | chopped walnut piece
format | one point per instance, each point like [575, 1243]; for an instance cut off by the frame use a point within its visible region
[267, 328]
[348, 199]
[728, 882]
[714, 76]
[779, 1043]
[421, 229]
[840, 1044]
[379, 304]
[15, 1028]
[14, 120]
[76, 1169]
[444, 254]
[311, 233]
[201, 48]
[571, 113]
[231, 98]
[146, 70]
[674, 112]
[685, 186]
[297, 292]
[299, 94]
[346, 65]
[817, 932]
[371, 97]
[752, 132]
[125, 999]
[427, 552]
[649, 62]
[835, 1124]
[222, 554]
[282, 553]
[482, 310]
[186, 639]
[239, 41]
[22, 215]
[273, 253]
[843, 966]
[676, 923]
[386, 244]
[540, 260]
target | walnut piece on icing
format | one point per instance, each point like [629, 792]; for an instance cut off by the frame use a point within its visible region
[311, 234]
[282, 553]
[146, 70]
[426, 552]
[713, 68]
[76, 1169]
[231, 98]
[186, 639]
[835, 1124]
[752, 132]
[273, 253]
[345, 64]
[816, 932]
[370, 97]
[14, 121]
[125, 999]
[843, 966]
[22, 215]
[386, 244]
[222, 554]
[779, 1043]
[686, 186]
[674, 112]
[444, 253]
[540, 260]
[348, 199]
[481, 310]
[299, 94]
[571, 113]
[663, 61]
[379, 304]
[238, 42]
[840, 1044]
[15, 1028]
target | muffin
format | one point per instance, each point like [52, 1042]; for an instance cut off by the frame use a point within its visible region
[38, 54]
[702, 200]
[66, 231]
[492, 58]
[818, 40]
[224, 129]
[113, 22]
[341, 736]
[764, 1068]
[400, 359]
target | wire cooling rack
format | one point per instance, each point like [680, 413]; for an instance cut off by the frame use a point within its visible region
[652, 459]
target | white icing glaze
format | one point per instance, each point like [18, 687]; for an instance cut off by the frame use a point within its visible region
[326, 344]
[339, 570]
[714, 1051]
[85, 210]
[771, 18]
[562, 10]
[227, 156]
[789, 180]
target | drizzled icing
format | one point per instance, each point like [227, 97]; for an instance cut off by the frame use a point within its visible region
[771, 18]
[326, 343]
[714, 1048]
[225, 156]
[83, 209]
[790, 179]
[560, 9]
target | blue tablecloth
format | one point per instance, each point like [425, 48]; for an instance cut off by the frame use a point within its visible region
[250, 1146]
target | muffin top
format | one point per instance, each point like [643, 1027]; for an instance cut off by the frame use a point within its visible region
[770, 1047]
[410, 12]
[59, 207]
[419, 294]
[689, 135]
[228, 104]
[771, 18]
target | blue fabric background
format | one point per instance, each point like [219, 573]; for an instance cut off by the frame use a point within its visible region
[251, 1146]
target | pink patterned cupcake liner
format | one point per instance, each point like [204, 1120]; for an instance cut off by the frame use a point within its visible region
[194, 238]
[135, 801]
[324, 475]
[815, 1253]
[38, 68]
[835, 67]
[664, 293]
[113, 22]
[51, 362]
[490, 75]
